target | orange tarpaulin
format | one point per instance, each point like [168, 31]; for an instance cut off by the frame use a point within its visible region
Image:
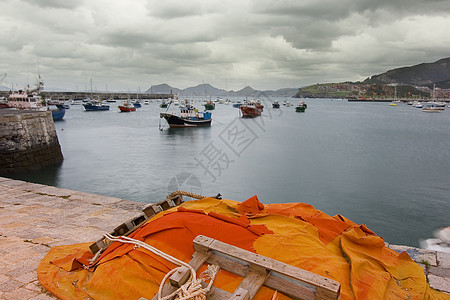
[293, 233]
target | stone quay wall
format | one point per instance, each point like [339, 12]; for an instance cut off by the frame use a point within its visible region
[28, 141]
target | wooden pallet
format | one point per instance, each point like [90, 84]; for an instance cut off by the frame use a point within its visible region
[133, 224]
[257, 271]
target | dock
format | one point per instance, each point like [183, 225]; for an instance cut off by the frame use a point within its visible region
[36, 217]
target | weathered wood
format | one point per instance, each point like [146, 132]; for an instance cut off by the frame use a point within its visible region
[309, 285]
[240, 294]
[180, 276]
[131, 225]
[290, 287]
[252, 283]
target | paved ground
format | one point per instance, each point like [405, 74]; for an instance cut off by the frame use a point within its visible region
[35, 217]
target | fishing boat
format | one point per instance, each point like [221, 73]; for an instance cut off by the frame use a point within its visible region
[276, 104]
[137, 103]
[164, 103]
[126, 106]
[287, 103]
[210, 105]
[189, 117]
[431, 108]
[95, 105]
[28, 98]
[237, 104]
[58, 111]
[251, 109]
[4, 103]
[301, 107]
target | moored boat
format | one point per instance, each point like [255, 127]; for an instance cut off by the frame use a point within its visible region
[301, 107]
[275, 104]
[164, 103]
[137, 103]
[95, 106]
[210, 105]
[126, 106]
[189, 117]
[251, 109]
[237, 104]
[431, 108]
[58, 111]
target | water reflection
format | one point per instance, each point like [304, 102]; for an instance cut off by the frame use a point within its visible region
[48, 176]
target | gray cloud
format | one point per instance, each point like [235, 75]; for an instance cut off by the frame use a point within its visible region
[263, 43]
[72, 4]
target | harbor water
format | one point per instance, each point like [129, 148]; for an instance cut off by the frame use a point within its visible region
[384, 166]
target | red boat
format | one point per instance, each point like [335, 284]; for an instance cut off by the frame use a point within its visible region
[127, 107]
[251, 110]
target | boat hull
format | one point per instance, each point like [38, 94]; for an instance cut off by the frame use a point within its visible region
[176, 122]
[59, 113]
[250, 112]
[126, 108]
[88, 107]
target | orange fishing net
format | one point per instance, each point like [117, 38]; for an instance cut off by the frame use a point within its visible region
[295, 233]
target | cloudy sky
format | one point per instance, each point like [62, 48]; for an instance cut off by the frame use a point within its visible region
[267, 44]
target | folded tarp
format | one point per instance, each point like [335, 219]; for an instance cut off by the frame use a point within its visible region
[293, 233]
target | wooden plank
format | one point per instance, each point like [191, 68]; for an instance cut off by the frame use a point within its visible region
[240, 294]
[251, 284]
[290, 287]
[217, 294]
[318, 285]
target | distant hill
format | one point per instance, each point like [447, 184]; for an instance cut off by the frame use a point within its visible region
[425, 74]
[4, 88]
[207, 90]
[203, 89]
[162, 89]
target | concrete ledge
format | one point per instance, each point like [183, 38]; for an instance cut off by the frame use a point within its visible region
[36, 217]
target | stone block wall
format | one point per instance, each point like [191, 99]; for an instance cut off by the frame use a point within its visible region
[28, 141]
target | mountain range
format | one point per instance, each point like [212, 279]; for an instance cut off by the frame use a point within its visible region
[424, 74]
[207, 90]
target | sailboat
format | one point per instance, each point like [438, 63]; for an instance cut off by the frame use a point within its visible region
[94, 104]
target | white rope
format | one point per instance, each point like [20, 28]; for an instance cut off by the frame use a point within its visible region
[192, 289]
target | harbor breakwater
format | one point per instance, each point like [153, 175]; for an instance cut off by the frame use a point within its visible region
[28, 141]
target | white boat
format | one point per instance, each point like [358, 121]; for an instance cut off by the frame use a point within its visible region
[431, 108]
[28, 98]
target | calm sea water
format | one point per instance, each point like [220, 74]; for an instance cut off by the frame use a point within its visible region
[387, 167]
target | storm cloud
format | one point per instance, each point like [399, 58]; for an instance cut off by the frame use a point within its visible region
[266, 44]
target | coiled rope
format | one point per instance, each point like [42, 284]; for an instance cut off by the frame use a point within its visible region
[192, 289]
[183, 193]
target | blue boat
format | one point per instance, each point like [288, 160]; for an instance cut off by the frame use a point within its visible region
[237, 104]
[95, 106]
[137, 104]
[58, 112]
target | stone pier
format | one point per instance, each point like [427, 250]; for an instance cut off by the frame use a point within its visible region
[35, 217]
[28, 141]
